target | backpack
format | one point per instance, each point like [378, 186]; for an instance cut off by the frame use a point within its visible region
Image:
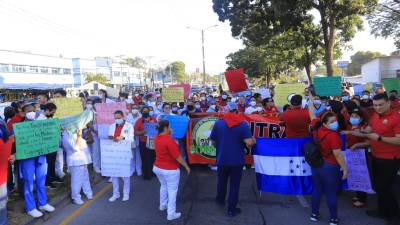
[312, 153]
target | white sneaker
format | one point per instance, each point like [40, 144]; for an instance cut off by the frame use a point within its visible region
[35, 213]
[174, 216]
[47, 208]
[109, 180]
[113, 198]
[89, 197]
[125, 198]
[162, 207]
[78, 201]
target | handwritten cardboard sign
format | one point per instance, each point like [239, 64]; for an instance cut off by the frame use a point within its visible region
[37, 138]
[73, 123]
[186, 88]
[358, 176]
[116, 158]
[105, 111]
[67, 107]
[173, 94]
[328, 86]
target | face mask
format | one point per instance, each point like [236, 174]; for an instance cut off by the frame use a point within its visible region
[135, 111]
[101, 95]
[136, 94]
[224, 97]
[365, 97]
[197, 106]
[259, 109]
[393, 98]
[30, 115]
[345, 98]
[89, 106]
[159, 107]
[145, 115]
[174, 109]
[317, 102]
[253, 103]
[151, 113]
[354, 121]
[50, 115]
[119, 121]
[203, 98]
[212, 107]
[334, 126]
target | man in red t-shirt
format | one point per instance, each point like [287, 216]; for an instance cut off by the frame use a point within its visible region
[296, 119]
[383, 133]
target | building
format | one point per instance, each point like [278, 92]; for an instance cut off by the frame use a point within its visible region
[26, 70]
[381, 68]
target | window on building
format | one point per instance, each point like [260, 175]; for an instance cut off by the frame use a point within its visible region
[18, 68]
[67, 71]
[34, 69]
[44, 70]
[124, 74]
[55, 71]
[4, 68]
[116, 73]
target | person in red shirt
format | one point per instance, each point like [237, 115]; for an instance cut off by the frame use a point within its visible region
[5, 151]
[269, 107]
[137, 99]
[383, 134]
[166, 167]
[394, 100]
[296, 119]
[241, 105]
[326, 178]
[147, 155]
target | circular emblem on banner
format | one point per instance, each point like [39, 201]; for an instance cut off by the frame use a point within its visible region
[201, 143]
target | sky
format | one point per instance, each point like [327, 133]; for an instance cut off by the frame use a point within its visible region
[153, 29]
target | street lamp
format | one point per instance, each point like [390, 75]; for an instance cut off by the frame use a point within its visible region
[202, 47]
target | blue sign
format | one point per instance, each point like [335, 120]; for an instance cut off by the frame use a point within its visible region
[179, 125]
[150, 129]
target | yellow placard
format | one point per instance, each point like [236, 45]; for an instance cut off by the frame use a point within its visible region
[173, 94]
[67, 107]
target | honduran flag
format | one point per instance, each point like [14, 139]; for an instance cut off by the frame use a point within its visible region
[280, 166]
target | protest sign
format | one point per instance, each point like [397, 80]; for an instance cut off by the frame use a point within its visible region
[328, 86]
[178, 125]
[67, 107]
[358, 89]
[73, 123]
[37, 138]
[282, 91]
[116, 158]
[186, 88]
[199, 147]
[173, 94]
[150, 129]
[236, 80]
[358, 178]
[265, 93]
[105, 111]
[391, 84]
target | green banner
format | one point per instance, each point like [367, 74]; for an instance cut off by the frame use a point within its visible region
[37, 138]
[67, 107]
[73, 123]
[201, 143]
[328, 86]
[391, 84]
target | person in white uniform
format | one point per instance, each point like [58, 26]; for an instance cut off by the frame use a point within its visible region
[119, 131]
[78, 157]
[137, 160]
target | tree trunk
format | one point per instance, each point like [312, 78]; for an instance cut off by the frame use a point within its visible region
[267, 79]
[307, 65]
[328, 29]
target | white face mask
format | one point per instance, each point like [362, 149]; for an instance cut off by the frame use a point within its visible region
[197, 106]
[259, 109]
[31, 115]
[136, 94]
[151, 113]
[135, 111]
[365, 97]
[203, 98]
[212, 107]
[253, 103]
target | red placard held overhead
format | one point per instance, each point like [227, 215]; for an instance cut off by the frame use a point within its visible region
[236, 80]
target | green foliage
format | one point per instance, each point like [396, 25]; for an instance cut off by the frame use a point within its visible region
[136, 62]
[102, 79]
[178, 71]
[385, 21]
[359, 59]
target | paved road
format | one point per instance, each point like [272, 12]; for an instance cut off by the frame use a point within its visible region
[195, 201]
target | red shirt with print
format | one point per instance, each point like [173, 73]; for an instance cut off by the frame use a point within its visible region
[167, 151]
[328, 141]
[387, 125]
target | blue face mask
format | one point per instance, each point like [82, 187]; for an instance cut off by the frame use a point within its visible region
[119, 121]
[345, 98]
[317, 102]
[354, 121]
[321, 108]
[334, 126]
[151, 113]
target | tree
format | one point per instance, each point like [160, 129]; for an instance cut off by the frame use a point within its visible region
[136, 62]
[100, 78]
[385, 21]
[339, 20]
[359, 59]
[177, 70]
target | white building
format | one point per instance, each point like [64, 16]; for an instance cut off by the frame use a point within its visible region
[381, 68]
[25, 70]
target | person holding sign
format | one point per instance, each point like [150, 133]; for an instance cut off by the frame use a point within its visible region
[118, 131]
[78, 157]
[34, 169]
[166, 167]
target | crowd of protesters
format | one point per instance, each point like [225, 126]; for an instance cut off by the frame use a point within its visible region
[369, 121]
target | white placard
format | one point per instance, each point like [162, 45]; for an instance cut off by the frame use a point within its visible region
[115, 158]
[265, 93]
[358, 176]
